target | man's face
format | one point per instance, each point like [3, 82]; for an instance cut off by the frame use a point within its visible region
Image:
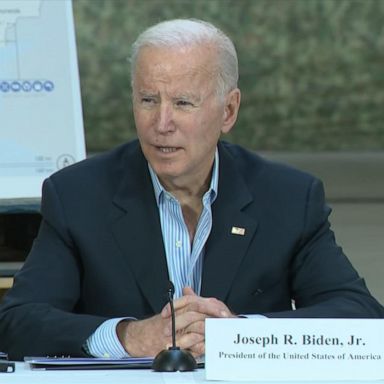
[178, 115]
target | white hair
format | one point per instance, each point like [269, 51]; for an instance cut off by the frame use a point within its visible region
[186, 32]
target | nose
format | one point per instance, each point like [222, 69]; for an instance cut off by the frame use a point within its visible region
[165, 123]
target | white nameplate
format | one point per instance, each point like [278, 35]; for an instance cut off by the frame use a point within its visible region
[294, 349]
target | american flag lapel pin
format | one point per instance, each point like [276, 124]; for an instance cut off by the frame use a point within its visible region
[238, 231]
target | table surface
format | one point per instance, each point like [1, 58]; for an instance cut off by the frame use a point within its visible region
[24, 375]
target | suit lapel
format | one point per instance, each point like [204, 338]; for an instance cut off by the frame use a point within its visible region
[136, 227]
[135, 224]
[232, 230]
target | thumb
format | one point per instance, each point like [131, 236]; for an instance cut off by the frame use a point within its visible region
[188, 291]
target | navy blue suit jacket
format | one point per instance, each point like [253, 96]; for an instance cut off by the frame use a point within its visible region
[99, 252]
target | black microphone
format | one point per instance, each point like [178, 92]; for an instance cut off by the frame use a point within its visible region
[173, 359]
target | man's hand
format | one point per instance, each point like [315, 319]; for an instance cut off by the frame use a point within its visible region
[144, 337]
[150, 336]
[191, 311]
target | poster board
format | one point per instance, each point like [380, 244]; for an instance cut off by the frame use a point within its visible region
[41, 125]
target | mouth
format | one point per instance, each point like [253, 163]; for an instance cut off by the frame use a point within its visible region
[167, 149]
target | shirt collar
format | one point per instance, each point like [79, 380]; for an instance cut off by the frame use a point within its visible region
[212, 191]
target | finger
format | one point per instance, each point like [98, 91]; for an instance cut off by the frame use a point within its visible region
[193, 303]
[198, 349]
[188, 291]
[189, 340]
[196, 327]
[184, 321]
[188, 303]
[208, 306]
[166, 311]
[179, 304]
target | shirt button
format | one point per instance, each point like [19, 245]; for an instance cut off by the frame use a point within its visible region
[178, 243]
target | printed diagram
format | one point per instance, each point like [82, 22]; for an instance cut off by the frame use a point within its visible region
[11, 78]
[11, 11]
[41, 126]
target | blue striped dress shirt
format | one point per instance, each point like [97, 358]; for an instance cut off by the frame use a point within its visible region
[185, 260]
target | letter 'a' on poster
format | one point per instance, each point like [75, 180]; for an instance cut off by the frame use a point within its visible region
[41, 125]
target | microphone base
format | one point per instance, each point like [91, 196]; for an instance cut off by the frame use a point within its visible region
[174, 359]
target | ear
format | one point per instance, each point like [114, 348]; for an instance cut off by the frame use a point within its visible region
[231, 109]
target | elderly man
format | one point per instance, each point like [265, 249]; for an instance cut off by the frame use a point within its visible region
[237, 235]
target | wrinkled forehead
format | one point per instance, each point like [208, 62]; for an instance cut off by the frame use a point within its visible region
[176, 63]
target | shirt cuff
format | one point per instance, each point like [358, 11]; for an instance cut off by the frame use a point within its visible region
[104, 341]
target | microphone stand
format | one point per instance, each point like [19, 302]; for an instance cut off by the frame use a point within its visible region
[173, 359]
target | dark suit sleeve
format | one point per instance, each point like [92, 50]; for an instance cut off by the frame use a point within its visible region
[323, 281]
[38, 315]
